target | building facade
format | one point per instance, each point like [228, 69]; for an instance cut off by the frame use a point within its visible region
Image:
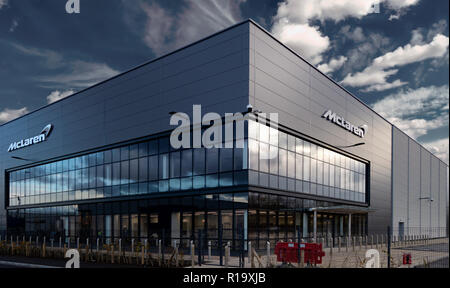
[105, 167]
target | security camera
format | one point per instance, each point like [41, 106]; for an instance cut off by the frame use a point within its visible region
[249, 108]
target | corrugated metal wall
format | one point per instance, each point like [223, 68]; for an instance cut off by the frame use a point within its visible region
[418, 177]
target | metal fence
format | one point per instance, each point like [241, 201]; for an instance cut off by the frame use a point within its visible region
[397, 249]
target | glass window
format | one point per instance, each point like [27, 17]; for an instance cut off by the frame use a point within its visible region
[264, 157]
[313, 151]
[116, 155]
[253, 154]
[240, 157]
[153, 147]
[314, 170]
[134, 171]
[143, 149]
[125, 153]
[116, 173]
[320, 172]
[199, 161]
[153, 168]
[108, 175]
[99, 179]
[186, 163]
[273, 136]
[226, 159]
[99, 158]
[299, 146]
[134, 151]
[107, 156]
[163, 145]
[282, 161]
[163, 166]
[299, 167]
[264, 133]
[291, 143]
[320, 153]
[326, 174]
[306, 168]
[125, 172]
[175, 164]
[253, 130]
[92, 177]
[143, 169]
[282, 140]
[291, 164]
[212, 160]
[273, 163]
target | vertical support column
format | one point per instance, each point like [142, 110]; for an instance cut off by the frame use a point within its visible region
[341, 225]
[305, 224]
[349, 225]
[315, 227]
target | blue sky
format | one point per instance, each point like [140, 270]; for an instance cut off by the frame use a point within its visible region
[393, 55]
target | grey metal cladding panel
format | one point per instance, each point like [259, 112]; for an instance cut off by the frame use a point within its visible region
[425, 188]
[280, 78]
[434, 221]
[318, 97]
[207, 85]
[149, 113]
[203, 57]
[133, 95]
[443, 195]
[328, 92]
[303, 72]
[287, 74]
[241, 30]
[285, 99]
[400, 178]
[223, 86]
[286, 118]
[273, 51]
[202, 72]
[414, 184]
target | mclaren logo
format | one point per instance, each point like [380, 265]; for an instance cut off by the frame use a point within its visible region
[33, 140]
[338, 120]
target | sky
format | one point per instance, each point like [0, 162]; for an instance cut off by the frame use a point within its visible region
[392, 54]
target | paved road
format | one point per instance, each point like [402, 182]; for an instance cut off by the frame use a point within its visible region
[23, 262]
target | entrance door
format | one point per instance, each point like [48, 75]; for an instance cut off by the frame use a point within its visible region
[401, 229]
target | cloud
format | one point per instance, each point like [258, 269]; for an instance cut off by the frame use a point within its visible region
[166, 30]
[81, 74]
[385, 86]
[400, 4]
[14, 25]
[377, 74]
[292, 22]
[51, 58]
[416, 111]
[361, 55]
[413, 53]
[77, 74]
[58, 95]
[439, 148]
[306, 40]
[10, 114]
[333, 65]
[356, 35]
[337, 10]
[3, 3]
